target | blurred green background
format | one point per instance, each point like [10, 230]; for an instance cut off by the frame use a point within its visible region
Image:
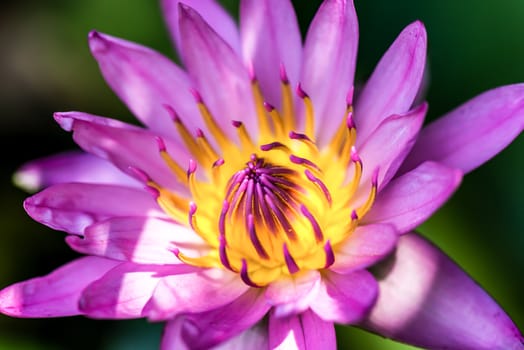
[45, 66]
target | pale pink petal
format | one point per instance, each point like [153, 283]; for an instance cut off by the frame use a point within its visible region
[328, 69]
[146, 82]
[211, 11]
[74, 206]
[426, 300]
[271, 38]
[141, 240]
[394, 84]
[365, 246]
[390, 143]
[410, 199]
[208, 329]
[255, 337]
[200, 291]
[71, 166]
[54, 295]
[474, 132]
[124, 145]
[345, 298]
[123, 291]
[217, 72]
[305, 332]
[293, 295]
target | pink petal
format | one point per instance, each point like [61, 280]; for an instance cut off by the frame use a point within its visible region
[474, 132]
[293, 295]
[366, 246]
[345, 298]
[74, 206]
[141, 240]
[145, 81]
[270, 38]
[394, 84]
[208, 329]
[124, 145]
[426, 300]
[412, 198]
[390, 143]
[328, 70]
[217, 71]
[123, 291]
[305, 332]
[54, 295]
[69, 167]
[211, 11]
[200, 291]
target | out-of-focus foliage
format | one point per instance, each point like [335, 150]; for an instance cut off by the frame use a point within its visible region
[45, 66]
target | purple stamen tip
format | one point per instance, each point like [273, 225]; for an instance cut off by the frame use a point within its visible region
[140, 174]
[283, 74]
[160, 143]
[298, 136]
[354, 215]
[192, 208]
[172, 113]
[272, 145]
[153, 191]
[290, 262]
[303, 161]
[374, 177]
[199, 133]
[349, 97]
[196, 95]
[330, 256]
[320, 184]
[254, 238]
[236, 123]
[218, 162]
[176, 251]
[245, 276]
[251, 71]
[314, 224]
[192, 167]
[300, 92]
[354, 155]
[269, 107]
[222, 252]
[350, 123]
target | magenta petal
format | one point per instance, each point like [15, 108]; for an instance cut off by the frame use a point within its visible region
[394, 84]
[270, 38]
[217, 71]
[328, 69]
[293, 295]
[305, 332]
[54, 295]
[390, 143]
[410, 199]
[124, 145]
[205, 330]
[141, 240]
[474, 132]
[123, 291]
[69, 167]
[212, 12]
[198, 291]
[345, 298]
[146, 81]
[365, 246]
[426, 300]
[74, 206]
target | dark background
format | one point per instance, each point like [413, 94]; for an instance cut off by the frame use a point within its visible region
[45, 66]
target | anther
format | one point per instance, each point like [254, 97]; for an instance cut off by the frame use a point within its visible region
[245, 276]
[222, 252]
[191, 216]
[290, 262]
[218, 162]
[141, 175]
[304, 162]
[254, 238]
[274, 145]
[320, 184]
[349, 97]
[300, 92]
[330, 256]
[191, 168]
[283, 75]
[196, 95]
[319, 236]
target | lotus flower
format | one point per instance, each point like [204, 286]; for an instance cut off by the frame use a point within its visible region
[248, 211]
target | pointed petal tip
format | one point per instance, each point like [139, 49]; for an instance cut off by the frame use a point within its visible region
[97, 42]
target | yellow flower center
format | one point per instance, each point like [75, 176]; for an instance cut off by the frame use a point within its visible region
[272, 204]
